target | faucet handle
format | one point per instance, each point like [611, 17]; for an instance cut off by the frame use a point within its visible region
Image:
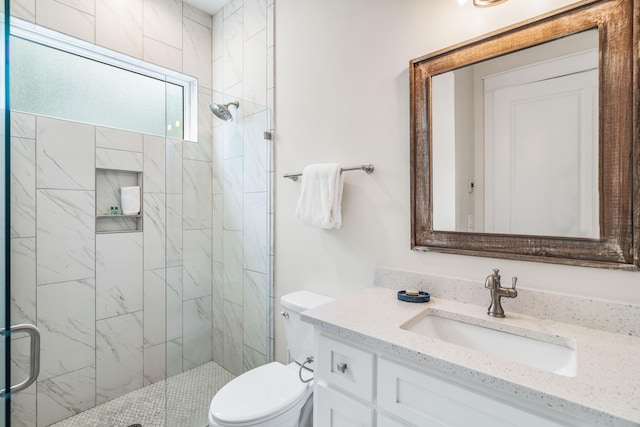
[514, 279]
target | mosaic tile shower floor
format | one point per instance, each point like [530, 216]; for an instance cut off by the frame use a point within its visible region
[180, 401]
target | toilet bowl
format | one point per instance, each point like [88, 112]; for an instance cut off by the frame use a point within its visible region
[271, 395]
[274, 395]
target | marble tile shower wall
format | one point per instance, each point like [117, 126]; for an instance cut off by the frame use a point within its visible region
[207, 215]
[101, 301]
[243, 45]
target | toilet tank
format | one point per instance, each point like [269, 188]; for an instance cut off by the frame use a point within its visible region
[299, 333]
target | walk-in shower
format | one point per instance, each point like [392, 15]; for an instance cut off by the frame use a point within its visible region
[125, 302]
[222, 110]
[142, 317]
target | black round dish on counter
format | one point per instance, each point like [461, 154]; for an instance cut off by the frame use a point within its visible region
[421, 297]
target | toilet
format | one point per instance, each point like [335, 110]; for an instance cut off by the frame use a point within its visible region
[273, 395]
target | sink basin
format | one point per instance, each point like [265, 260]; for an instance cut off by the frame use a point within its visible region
[558, 357]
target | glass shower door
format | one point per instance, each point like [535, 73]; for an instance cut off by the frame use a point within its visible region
[5, 377]
[7, 386]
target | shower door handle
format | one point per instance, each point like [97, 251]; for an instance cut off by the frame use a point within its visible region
[34, 357]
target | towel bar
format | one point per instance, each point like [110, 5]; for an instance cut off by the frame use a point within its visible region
[366, 168]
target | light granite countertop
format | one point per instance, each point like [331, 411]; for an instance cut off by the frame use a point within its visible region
[605, 390]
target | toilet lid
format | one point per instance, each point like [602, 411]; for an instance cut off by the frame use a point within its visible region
[262, 392]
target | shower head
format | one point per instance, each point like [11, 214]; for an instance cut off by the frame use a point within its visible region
[222, 110]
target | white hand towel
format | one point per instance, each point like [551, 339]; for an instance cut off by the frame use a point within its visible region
[320, 202]
[130, 200]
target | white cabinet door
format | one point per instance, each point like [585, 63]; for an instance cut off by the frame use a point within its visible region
[334, 409]
[429, 401]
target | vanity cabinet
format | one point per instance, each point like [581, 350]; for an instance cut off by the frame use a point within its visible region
[357, 385]
[333, 408]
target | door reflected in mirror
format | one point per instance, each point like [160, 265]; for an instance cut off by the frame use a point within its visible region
[515, 142]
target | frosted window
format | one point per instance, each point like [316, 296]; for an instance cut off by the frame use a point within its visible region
[175, 116]
[50, 82]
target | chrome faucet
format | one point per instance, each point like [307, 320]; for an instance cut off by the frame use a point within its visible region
[497, 292]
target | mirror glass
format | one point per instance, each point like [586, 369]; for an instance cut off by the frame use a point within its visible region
[515, 142]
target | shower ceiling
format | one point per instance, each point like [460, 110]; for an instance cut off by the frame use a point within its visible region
[209, 6]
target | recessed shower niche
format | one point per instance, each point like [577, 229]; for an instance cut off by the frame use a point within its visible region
[108, 185]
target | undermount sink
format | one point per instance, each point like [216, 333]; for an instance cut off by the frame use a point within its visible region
[559, 358]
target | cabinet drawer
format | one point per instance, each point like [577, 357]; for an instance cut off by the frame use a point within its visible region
[427, 400]
[345, 367]
[333, 409]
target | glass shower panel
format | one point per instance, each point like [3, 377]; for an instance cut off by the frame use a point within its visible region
[219, 281]
[4, 286]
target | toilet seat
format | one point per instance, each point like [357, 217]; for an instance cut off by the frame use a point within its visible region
[257, 395]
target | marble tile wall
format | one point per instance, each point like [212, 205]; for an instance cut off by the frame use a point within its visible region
[98, 299]
[196, 284]
[116, 311]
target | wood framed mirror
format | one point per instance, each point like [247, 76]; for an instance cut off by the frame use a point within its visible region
[559, 186]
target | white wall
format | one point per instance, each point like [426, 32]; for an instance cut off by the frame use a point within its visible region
[343, 96]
